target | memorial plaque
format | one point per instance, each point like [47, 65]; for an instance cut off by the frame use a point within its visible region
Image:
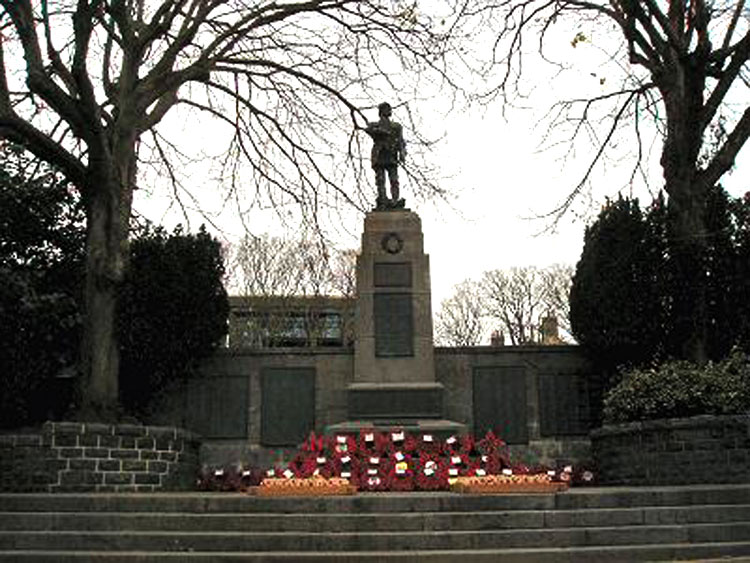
[396, 403]
[394, 325]
[392, 274]
[217, 407]
[500, 403]
[287, 405]
[563, 405]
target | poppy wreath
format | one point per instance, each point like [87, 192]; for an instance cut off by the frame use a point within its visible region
[347, 467]
[491, 445]
[314, 444]
[400, 441]
[375, 476]
[302, 466]
[488, 464]
[372, 443]
[324, 466]
[401, 472]
[458, 465]
[342, 445]
[431, 472]
[427, 443]
[458, 445]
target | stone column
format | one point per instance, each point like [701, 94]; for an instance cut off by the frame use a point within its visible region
[394, 316]
[394, 369]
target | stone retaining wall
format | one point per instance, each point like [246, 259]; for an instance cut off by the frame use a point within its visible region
[78, 457]
[701, 449]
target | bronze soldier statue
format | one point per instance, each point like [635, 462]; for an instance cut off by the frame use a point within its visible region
[388, 151]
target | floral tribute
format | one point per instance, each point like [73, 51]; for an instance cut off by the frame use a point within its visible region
[394, 461]
[389, 461]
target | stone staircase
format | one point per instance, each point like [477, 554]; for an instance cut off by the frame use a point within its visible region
[633, 524]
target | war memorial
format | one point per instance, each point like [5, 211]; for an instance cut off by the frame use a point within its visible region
[375, 438]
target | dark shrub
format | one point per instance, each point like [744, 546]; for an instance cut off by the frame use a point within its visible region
[681, 389]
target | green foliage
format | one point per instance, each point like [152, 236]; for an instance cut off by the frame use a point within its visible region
[41, 270]
[174, 311]
[616, 310]
[630, 285]
[680, 389]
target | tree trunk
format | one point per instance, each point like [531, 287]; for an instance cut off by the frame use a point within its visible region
[682, 90]
[108, 198]
[689, 305]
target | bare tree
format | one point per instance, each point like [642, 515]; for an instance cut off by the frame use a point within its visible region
[459, 322]
[86, 84]
[685, 71]
[556, 281]
[520, 298]
[291, 290]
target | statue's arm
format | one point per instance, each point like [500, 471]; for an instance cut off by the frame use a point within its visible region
[401, 145]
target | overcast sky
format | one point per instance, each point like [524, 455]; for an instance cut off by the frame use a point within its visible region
[497, 177]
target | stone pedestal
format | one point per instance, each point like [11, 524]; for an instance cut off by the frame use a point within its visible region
[394, 368]
[393, 325]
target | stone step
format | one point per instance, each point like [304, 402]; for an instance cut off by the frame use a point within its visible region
[373, 541]
[605, 524]
[608, 554]
[430, 521]
[199, 503]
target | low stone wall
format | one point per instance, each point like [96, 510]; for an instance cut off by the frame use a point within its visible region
[78, 457]
[701, 449]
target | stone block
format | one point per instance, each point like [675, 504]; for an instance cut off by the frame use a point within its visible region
[127, 442]
[71, 452]
[83, 464]
[161, 432]
[89, 440]
[157, 466]
[124, 454]
[109, 465]
[133, 465]
[118, 478]
[109, 441]
[130, 430]
[65, 440]
[73, 477]
[67, 428]
[147, 479]
[168, 456]
[149, 454]
[145, 443]
[126, 489]
[98, 428]
[163, 443]
[73, 488]
[97, 452]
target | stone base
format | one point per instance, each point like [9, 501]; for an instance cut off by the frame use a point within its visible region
[440, 428]
[395, 400]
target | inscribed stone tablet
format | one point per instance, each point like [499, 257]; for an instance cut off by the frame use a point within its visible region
[287, 405]
[394, 325]
[392, 274]
[217, 406]
[500, 403]
[563, 405]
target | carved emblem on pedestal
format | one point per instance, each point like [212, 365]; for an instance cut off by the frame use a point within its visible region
[392, 243]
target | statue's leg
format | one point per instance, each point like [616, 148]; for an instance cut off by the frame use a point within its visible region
[393, 177]
[380, 183]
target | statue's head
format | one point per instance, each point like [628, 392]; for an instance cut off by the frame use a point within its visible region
[384, 109]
